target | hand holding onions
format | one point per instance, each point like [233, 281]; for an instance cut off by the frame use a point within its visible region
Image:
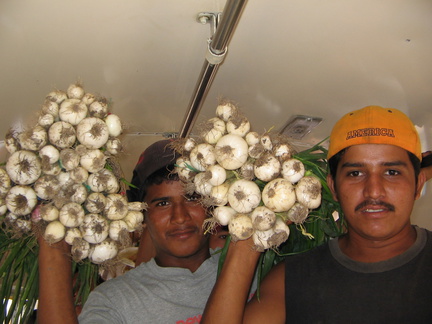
[57, 177]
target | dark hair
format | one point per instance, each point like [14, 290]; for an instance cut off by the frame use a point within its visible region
[156, 178]
[335, 159]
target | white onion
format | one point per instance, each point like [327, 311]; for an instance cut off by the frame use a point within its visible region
[266, 142]
[134, 220]
[33, 139]
[202, 156]
[308, 192]
[103, 251]
[238, 125]
[80, 249]
[298, 213]
[267, 167]
[69, 159]
[71, 215]
[46, 120]
[92, 132]
[240, 227]
[231, 151]
[225, 110]
[49, 153]
[278, 195]
[185, 174]
[98, 108]
[62, 134]
[114, 146]
[114, 124]
[292, 170]
[54, 232]
[94, 228]
[50, 107]
[116, 207]
[21, 200]
[49, 212]
[57, 96]
[252, 138]
[47, 186]
[219, 194]
[72, 234]
[223, 214]
[217, 175]
[263, 218]
[93, 160]
[88, 98]
[75, 91]
[73, 111]
[23, 167]
[213, 130]
[116, 227]
[95, 202]
[244, 196]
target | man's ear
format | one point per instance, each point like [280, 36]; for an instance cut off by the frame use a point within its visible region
[420, 183]
[331, 184]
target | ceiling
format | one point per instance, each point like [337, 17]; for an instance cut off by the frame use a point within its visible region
[320, 58]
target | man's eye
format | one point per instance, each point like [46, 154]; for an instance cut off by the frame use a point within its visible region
[162, 203]
[354, 173]
[192, 197]
[393, 172]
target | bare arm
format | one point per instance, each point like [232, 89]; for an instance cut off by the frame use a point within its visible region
[227, 302]
[56, 303]
[228, 298]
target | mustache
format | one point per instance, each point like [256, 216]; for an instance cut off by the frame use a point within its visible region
[370, 202]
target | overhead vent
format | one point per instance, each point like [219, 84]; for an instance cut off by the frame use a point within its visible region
[299, 126]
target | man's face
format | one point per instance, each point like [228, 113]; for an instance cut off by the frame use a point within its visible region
[175, 222]
[375, 185]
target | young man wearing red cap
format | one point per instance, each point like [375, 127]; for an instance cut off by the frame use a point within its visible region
[379, 272]
[172, 287]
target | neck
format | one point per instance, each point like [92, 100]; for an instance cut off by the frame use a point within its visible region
[191, 262]
[368, 250]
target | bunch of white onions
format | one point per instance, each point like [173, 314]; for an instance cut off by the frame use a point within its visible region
[252, 180]
[59, 175]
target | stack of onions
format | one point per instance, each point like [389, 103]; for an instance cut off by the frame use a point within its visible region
[255, 184]
[62, 175]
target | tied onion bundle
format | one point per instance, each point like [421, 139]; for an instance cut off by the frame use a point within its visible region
[258, 184]
[60, 168]
[62, 180]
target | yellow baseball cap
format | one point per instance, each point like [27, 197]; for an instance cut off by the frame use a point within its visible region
[375, 125]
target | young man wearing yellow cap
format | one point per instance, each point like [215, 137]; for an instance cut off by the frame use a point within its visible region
[379, 272]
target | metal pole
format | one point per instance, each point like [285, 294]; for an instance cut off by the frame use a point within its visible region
[217, 47]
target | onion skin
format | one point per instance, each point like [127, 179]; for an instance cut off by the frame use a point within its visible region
[240, 227]
[54, 232]
[231, 151]
[279, 195]
[94, 228]
[244, 196]
[292, 170]
[62, 134]
[115, 127]
[308, 192]
[92, 132]
[20, 200]
[23, 167]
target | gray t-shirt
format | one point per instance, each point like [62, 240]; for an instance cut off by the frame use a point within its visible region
[152, 294]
